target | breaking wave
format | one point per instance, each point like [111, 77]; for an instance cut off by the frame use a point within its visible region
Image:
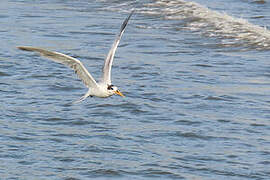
[230, 31]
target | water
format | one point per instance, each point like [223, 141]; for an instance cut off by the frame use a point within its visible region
[196, 81]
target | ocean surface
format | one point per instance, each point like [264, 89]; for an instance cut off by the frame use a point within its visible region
[196, 76]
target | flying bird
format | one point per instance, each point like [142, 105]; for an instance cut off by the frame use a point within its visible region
[102, 89]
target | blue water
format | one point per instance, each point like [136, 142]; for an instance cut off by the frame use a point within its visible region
[197, 101]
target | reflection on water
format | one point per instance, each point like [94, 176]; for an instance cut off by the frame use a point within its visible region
[195, 79]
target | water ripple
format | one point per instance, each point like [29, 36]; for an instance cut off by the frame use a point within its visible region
[195, 80]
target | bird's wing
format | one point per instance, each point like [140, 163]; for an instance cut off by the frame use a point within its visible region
[71, 62]
[106, 78]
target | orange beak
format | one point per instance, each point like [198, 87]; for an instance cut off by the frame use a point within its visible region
[119, 93]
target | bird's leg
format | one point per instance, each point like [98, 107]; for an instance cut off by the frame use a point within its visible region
[82, 98]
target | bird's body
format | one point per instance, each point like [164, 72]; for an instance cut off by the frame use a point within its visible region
[102, 89]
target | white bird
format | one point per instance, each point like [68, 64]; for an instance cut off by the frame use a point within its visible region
[102, 89]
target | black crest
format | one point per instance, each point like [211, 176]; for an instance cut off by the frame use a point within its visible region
[110, 87]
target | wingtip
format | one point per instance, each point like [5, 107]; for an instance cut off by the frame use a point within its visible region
[132, 11]
[126, 21]
[24, 48]
[20, 47]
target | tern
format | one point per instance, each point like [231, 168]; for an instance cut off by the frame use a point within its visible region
[104, 87]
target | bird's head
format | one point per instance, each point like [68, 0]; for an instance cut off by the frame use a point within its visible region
[114, 90]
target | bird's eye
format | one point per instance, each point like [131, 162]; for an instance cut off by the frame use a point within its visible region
[110, 87]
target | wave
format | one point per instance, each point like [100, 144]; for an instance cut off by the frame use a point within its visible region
[230, 31]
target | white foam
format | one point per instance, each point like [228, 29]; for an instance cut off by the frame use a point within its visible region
[232, 31]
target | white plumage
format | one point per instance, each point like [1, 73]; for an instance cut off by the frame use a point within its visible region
[104, 88]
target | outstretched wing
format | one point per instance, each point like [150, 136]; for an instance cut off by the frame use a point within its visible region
[71, 62]
[106, 78]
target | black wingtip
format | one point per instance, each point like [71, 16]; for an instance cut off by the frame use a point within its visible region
[126, 20]
[22, 48]
[25, 48]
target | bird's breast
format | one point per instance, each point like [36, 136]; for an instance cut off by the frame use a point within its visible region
[99, 92]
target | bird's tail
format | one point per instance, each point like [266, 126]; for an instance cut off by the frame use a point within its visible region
[81, 98]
